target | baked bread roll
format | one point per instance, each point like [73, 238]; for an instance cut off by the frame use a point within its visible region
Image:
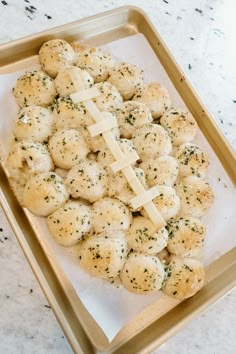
[162, 170]
[185, 277]
[45, 193]
[33, 123]
[110, 214]
[64, 84]
[103, 255]
[142, 273]
[68, 114]
[109, 99]
[192, 160]
[28, 158]
[196, 196]
[67, 147]
[127, 78]
[186, 237]
[143, 237]
[70, 223]
[34, 88]
[97, 62]
[180, 125]
[87, 180]
[155, 96]
[151, 141]
[55, 54]
[132, 115]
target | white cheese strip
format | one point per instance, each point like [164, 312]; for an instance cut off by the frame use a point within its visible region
[154, 215]
[93, 110]
[78, 84]
[125, 161]
[113, 145]
[143, 198]
[84, 95]
[103, 126]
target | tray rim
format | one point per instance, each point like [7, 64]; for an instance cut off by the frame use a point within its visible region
[47, 291]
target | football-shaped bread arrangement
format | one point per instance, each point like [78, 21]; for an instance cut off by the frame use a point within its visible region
[112, 165]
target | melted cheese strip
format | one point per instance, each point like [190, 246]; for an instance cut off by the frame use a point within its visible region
[125, 161]
[143, 198]
[116, 151]
[84, 95]
[102, 126]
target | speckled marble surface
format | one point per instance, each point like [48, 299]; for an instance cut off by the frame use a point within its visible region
[200, 34]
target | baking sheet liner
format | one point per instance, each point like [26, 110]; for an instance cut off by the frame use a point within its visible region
[112, 307]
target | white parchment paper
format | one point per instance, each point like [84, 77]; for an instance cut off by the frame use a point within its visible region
[113, 307]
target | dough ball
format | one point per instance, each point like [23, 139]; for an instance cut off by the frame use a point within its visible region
[186, 237]
[97, 62]
[151, 141]
[55, 54]
[185, 277]
[109, 99]
[167, 203]
[127, 78]
[67, 147]
[143, 237]
[119, 188]
[68, 114]
[45, 193]
[142, 273]
[87, 180]
[155, 96]
[163, 171]
[132, 115]
[106, 158]
[97, 143]
[64, 84]
[196, 196]
[110, 214]
[34, 88]
[180, 125]
[103, 255]
[192, 160]
[28, 158]
[33, 123]
[70, 223]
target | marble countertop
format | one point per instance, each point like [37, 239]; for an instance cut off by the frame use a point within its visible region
[200, 34]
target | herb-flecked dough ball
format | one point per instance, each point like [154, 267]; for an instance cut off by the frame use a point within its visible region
[33, 123]
[155, 96]
[45, 193]
[97, 62]
[196, 196]
[111, 214]
[162, 171]
[109, 98]
[64, 84]
[127, 78]
[103, 255]
[185, 276]
[180, 125]
[132, 115]
[70, 223]
[186, 237]
[67, 147]
[151, 141]
[27, 158]
[55, 54]
[34, 88]
[87, 180]
[68, 114]
[142, 273]
[143, 237]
